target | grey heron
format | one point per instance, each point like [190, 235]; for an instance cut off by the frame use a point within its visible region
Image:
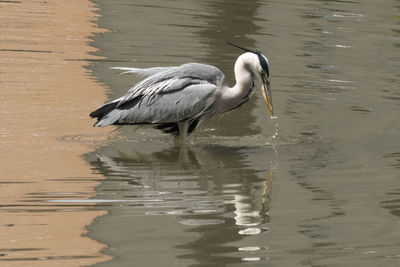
[179, 99]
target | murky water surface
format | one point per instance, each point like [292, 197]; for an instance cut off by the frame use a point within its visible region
[317, 186]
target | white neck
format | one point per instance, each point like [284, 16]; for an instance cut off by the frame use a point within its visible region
[243, 74]
[234, 96]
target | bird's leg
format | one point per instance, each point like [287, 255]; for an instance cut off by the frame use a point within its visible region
[183, 129]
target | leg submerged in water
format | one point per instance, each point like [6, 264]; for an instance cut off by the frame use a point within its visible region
[183, 130]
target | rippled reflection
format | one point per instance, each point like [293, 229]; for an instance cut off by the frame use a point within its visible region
[211, 190]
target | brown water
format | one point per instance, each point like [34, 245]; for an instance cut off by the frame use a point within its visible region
[46, 93]
[318, 186]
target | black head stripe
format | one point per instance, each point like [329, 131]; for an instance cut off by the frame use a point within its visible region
[243, 48]
[263, 63]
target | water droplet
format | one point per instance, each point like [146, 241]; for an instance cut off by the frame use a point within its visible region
[275, 137]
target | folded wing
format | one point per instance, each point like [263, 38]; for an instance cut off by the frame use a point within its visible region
[169, 96]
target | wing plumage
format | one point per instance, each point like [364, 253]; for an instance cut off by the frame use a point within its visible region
[142, 72]
[171, 95]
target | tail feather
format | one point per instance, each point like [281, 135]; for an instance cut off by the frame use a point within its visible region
[101, 112]
[110, 114]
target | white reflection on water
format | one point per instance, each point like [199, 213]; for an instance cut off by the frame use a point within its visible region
[251, 259]
[250, 231]
[249, 248]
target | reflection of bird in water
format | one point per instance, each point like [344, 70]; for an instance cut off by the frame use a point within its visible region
[179, 99]
[216, 192]
[213, 170]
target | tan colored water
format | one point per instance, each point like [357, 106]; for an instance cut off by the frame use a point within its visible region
[317, 186]
[46, 93]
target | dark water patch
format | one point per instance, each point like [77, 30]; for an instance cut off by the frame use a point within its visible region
[10, 1]
[46, 258]
[394, 159]
[20, 249]
[26, 50]
[360, 109]
[393, 204]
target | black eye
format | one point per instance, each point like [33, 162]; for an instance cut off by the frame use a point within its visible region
[264, 64]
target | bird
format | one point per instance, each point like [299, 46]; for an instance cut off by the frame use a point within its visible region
[179, 99]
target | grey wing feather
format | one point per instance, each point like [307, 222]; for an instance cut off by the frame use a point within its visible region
[142, 72]
[174, 78]
[185, 104]
[172, 95]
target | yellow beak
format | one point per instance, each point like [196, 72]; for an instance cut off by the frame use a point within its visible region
[266, 90]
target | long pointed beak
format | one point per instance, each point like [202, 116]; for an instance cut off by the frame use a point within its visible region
[266, 90]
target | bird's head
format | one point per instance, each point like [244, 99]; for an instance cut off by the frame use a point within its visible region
[260, 64]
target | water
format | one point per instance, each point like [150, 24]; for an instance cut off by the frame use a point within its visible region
[316, 186]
